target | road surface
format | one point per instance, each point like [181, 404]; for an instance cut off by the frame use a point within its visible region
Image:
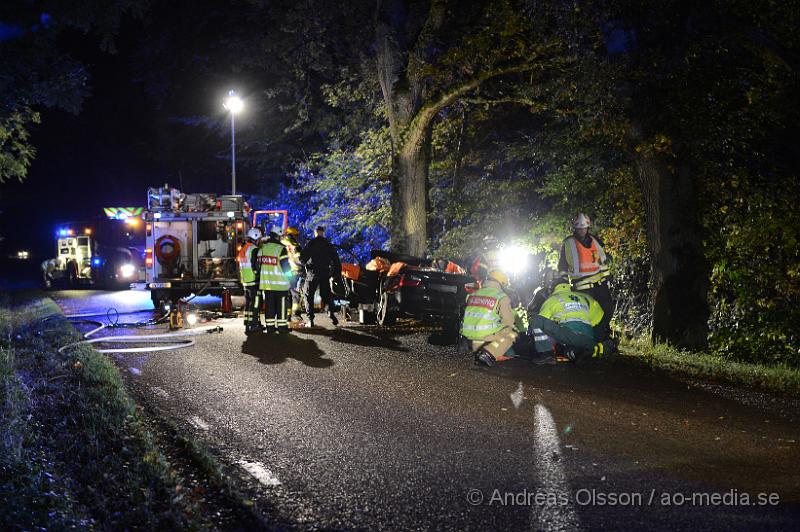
[357, 427]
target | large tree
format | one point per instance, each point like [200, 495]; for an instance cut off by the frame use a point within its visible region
[431, 54]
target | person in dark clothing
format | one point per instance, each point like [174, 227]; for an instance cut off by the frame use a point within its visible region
[321, 262]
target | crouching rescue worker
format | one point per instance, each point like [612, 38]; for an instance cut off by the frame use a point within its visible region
[569, 318]
[273, 283]
[489, 321]
[249, 278]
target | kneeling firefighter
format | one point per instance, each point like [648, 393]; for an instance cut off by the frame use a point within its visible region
[489, 321]
[570, 318]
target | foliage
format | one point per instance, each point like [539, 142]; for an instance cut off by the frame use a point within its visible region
[16, 151]
[780, 378]
[35, 72]
[72, 445]
[348, 191]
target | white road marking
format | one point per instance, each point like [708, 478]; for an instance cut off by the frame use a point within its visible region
[261, 473]
[518, 396]
[552, 477]
[198, 423]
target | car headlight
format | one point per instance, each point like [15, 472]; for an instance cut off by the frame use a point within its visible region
[127, 270]
[514, 259]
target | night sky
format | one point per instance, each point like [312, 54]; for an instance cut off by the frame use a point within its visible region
[124, 141]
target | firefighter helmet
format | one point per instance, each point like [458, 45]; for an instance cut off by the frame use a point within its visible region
[292, 231]
[254, 234]
[581, 221]
[499, 276]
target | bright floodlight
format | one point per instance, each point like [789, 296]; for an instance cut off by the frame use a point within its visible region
[514, 259]
[233, 103]
[127, 270]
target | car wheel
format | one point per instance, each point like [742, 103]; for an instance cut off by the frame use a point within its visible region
[386, 314]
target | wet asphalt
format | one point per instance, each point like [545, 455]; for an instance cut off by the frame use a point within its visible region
[356, 427]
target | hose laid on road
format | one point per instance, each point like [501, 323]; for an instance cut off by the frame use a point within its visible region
[169, 338]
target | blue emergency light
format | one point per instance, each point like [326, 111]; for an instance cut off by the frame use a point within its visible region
[97, 261]
[62, 232]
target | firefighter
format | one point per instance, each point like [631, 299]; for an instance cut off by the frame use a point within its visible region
[487, 260]
[321, 262]
[569, 318]
[489, 321]
[249, 278]
[274, 282]
[585, 263]
[298, 272]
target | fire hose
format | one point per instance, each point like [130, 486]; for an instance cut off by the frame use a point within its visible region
[174, 340]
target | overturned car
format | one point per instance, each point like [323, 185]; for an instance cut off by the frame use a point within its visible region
[393, 285]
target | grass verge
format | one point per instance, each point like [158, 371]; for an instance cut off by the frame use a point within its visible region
[73, 449]
[668, 359]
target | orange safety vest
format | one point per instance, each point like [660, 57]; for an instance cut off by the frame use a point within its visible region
[246, 273]
[584, 261]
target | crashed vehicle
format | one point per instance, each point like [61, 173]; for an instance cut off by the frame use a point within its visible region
[392, 285]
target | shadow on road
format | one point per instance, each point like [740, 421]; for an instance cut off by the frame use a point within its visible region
[277, 348]
[376, 339]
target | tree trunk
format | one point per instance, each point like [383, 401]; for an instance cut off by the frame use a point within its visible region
[680, 271]
[410, 197]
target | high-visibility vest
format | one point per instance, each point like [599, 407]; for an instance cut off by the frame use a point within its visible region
[246, 272]
[587, 265]
[271, 276]
[293, 248]
[569, 306]
[481, 317]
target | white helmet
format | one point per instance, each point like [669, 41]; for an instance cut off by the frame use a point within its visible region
[581, 222]
[254, 234]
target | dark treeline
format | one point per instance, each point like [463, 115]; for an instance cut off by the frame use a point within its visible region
[426, 126]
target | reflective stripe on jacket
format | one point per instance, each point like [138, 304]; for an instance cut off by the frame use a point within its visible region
[246, 273]
[481, 317]
[271, 276]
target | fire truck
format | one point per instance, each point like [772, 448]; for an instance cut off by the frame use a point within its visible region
[101, 253]
[191, 243]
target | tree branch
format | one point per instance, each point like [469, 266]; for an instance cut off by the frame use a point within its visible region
[424, 117]
[433, 24]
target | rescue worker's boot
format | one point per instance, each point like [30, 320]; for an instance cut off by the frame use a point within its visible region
[484, 358]
[334, 320]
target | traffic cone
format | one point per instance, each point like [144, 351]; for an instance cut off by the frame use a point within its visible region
[227, 304]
